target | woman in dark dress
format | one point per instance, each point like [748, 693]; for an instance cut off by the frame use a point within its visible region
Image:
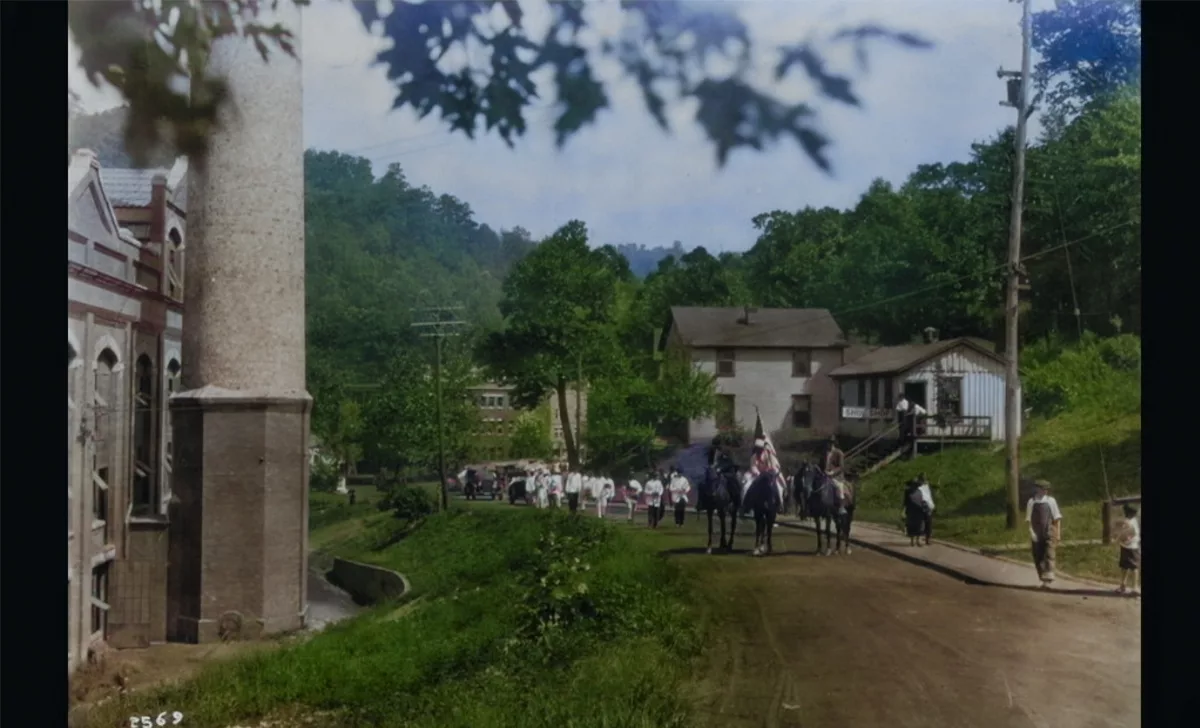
[914, 512]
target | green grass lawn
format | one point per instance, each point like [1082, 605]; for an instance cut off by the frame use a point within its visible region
[518, 617]
[968, 484]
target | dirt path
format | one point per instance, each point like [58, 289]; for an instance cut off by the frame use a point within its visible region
[868, 640]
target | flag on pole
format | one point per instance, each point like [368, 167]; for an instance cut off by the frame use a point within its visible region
[767, 460]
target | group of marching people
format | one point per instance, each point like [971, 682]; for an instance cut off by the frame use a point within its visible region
[659, 488]
[551, 486]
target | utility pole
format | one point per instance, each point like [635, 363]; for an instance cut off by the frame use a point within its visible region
[1018, 98]
[439, 326]
[579, 408]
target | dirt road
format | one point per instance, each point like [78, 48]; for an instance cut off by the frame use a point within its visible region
[868, 640]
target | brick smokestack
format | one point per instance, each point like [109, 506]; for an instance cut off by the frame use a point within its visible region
[158, 209]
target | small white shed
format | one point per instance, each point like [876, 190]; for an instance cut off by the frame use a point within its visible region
[959, 382]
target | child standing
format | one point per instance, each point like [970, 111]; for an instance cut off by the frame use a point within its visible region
[1131, 549]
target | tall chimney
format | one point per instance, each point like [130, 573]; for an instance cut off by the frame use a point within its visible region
[747, 310]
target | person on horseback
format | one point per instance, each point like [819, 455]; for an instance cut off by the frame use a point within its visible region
[833, 463]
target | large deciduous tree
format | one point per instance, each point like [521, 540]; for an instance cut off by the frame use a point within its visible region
[557, 307]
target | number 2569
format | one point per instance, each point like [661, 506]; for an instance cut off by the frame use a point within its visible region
[162, 719]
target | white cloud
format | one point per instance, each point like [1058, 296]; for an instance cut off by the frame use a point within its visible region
[631, 182]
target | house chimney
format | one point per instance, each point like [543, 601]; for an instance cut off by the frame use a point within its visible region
[747, 310]
[931, 334]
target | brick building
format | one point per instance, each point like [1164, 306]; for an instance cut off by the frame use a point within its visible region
[125, 257]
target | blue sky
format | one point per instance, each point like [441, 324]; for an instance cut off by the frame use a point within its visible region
[631, 182]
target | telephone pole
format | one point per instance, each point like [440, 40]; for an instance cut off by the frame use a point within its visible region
[440, 325]
[1018, 98]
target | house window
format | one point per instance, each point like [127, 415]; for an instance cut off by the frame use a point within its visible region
[173, 370]
[950, 396]
[801, 411]
[143, 436]
[726, 405]
[862, 393]
[100, 601]
[802, 363]
[888, 393]
[874, 393]
[725, 362]
[500, 401]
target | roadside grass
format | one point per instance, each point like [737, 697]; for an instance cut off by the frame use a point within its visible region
[1089, 450]
[518, 617]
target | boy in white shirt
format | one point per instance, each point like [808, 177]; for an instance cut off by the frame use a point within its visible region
[1045, 530]
[1131, 549]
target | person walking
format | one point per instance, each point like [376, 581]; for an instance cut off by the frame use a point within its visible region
[541, 489]
[1045, 530]
[927, 508]
[914, 512]
[573, 486]
[604, 493]
[633, 492]
[1131, 549]
[556, 488]
[654, 493]
[679, 488]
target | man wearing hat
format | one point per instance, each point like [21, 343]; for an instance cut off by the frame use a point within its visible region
[1045, 529]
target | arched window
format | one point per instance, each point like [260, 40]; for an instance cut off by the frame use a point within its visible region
[173, 372]
[106, 416]
[143, 436]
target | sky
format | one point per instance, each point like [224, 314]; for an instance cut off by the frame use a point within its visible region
[633, 183]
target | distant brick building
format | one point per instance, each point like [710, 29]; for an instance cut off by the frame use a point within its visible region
[497, 418]
[125, 262]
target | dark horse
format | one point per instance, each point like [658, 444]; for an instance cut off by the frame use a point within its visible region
[762, 498]
[819, 496]
[718, 492]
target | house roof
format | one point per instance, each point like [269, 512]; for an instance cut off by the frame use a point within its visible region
[897, 359]
[132, 187]
[769, 328]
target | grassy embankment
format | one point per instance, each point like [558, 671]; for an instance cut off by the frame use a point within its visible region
[1086, 431]
[518, 618]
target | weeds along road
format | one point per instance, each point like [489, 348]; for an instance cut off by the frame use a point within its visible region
[868, 640]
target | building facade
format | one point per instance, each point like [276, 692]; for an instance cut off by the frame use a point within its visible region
[497, 418]
[125, 249]
[959, 382]
[773, 363]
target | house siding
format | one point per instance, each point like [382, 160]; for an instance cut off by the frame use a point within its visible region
[982, 390]
[763, 384]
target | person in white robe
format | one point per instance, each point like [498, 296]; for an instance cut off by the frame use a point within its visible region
[572, 488]
[605, 490]
[679, 489]
[541, 485]
[654, 492]
[633, 493]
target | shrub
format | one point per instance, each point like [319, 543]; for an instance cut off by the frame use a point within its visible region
[409, 503]
[323, 476]
[1094, 372]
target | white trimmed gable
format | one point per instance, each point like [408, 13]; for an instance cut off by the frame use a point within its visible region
[89, 211]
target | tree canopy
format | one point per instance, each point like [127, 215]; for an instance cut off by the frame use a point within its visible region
[668, 47]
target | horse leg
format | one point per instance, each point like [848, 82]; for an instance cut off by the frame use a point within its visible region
[708, 550]
[733, 521]
[849, 522]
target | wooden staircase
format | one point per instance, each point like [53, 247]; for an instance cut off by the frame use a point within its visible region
[872, 455]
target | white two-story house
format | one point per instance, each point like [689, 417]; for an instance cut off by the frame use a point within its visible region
[773, 362]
